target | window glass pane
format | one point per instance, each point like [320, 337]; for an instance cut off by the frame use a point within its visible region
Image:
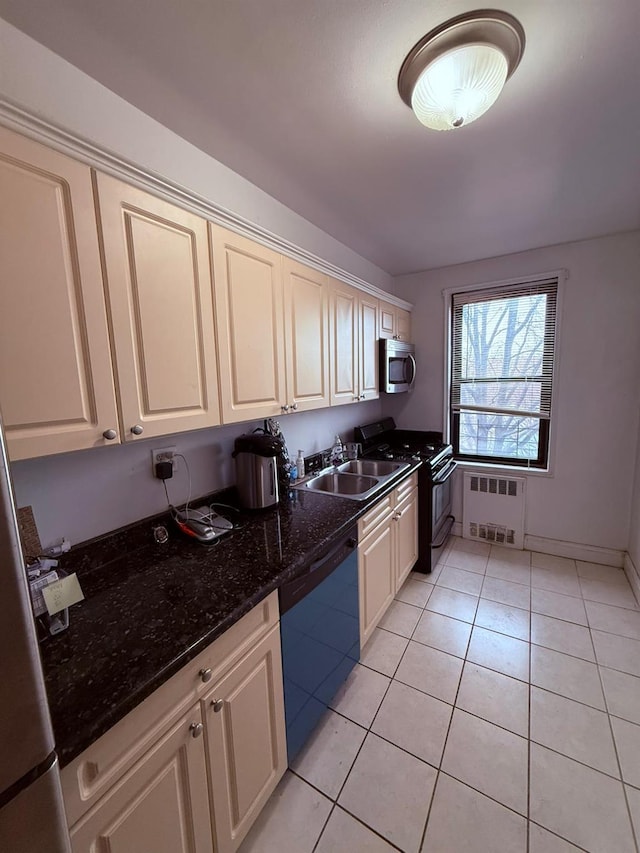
[502, 436]
[503, 337]
[523, 395]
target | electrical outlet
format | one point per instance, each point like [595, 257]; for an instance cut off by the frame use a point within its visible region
[164, 454]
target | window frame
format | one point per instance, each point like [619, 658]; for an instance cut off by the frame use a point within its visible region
[542, 464]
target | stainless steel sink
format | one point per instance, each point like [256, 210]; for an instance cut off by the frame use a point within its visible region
[342, 484]
[356, 480]
[372, 467]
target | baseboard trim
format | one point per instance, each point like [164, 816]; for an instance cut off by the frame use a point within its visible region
[633, 576]
[575, 551]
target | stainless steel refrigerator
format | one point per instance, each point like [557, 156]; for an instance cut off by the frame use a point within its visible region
[32, 816]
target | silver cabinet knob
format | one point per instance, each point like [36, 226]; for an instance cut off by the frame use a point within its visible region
[205, 675]
[355, 399]
[295, 407]
[136, 429]
[196, 729]
[217, 704]
[109, 434]
[284, 408]
[362, 396]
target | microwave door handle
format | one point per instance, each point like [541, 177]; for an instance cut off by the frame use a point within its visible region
[412, 360]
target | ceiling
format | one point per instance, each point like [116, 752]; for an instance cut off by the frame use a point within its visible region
[300, 97]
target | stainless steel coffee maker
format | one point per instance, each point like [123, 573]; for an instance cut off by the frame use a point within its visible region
[257, 470]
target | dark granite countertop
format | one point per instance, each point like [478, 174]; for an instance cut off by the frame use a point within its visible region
[150, 608]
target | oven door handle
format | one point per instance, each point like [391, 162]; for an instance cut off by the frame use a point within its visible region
[448, 471]
[450, 519]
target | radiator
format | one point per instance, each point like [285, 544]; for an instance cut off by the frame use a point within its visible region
[493, 509]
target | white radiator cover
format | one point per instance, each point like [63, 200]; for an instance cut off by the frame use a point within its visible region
[493, 509]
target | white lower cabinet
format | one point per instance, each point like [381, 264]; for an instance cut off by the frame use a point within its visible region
[189, 769]
[387, 551]
[160, 806]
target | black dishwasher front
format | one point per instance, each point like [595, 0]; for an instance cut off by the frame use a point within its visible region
[320, 628]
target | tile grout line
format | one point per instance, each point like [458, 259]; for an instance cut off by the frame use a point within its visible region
[634, 836]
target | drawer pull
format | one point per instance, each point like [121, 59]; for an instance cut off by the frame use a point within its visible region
[196, 729]
[109, 434]
[217, 704]
[205, 675]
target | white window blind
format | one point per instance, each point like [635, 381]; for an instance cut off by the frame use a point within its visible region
[502, 357]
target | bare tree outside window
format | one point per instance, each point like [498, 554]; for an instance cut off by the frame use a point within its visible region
[502, 360]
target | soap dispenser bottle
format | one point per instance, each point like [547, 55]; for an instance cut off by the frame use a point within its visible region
[337, 453]
[300, 465]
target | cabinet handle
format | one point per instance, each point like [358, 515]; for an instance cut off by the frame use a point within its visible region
[217, 704]
[205, 675]
[109, 434]
[196, 729]
[295, 407]
[284, 409]
[362, 396]
[136, 429]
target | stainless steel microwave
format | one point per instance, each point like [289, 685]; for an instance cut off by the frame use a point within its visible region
[397, 366]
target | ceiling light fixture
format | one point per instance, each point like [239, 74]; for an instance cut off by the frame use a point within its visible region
[456, 72]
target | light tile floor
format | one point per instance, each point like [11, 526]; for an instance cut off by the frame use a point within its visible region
[496, 709]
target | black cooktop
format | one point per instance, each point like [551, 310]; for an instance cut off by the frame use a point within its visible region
[381, 438]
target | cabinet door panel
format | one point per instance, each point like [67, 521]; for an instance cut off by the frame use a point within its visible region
[246, 740]
[344, 344]
[369, 347]
[160, 806]
[376, 578]
[406, 533]
[306, 311]
[56, 384]
[387, 320]
[250, 325]
[403, 325]
[159, 287]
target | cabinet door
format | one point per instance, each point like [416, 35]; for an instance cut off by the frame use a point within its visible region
[344, 344]
[159, 289]
[406, 536]
[56, 385]
[160, 806]
[250, 326]
[376, 577]
[403, 325]
[246, 740]
[306, 311]
[368, 350]
[387, 320]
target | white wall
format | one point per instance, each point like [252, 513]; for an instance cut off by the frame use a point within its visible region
[634, 520]
[84, 494]
[41, 82]
[586, 499]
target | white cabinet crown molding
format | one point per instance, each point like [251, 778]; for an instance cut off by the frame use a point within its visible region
[16, 117]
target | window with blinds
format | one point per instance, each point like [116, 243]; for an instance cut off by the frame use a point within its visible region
[502, 356]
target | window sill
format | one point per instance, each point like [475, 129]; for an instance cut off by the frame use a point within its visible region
[513, 470]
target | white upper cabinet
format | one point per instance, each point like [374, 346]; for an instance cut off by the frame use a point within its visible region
[56, 384]
[394, 322]
[368, 347]
[250, 327]
[159, 288]
[306, 312]
[344, 343]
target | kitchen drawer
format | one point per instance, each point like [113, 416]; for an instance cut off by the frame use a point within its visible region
[375, 516]
[91, 774]
[402, 490]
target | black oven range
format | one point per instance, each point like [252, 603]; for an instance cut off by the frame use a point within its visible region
[382, 440]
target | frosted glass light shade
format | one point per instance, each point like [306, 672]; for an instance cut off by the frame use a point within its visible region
[459, 86]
